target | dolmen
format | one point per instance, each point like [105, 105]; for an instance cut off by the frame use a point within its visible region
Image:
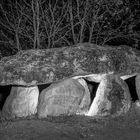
[71, 73]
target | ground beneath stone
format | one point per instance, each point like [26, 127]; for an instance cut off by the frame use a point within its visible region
[72, 128]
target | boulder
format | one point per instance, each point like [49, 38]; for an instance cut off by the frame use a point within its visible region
[37, 66]
[137, 82]
[21, 102]
[112, 97]
[64, 98]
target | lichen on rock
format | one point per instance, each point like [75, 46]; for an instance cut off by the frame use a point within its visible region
[64, 98]
[22, 102]
[112, 98]
[33, 67]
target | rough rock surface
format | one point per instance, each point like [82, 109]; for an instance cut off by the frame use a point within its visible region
[21, 102]
[137, 81]
[112, 98]
[137, 106]
[66, 97]
[33, 67]
[86, 101]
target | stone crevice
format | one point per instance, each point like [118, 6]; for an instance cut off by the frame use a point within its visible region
[41, 87]
[92, 86]
[132, 88]
[4, 93]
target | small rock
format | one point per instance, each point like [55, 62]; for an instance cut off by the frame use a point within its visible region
[21, 102]
[137, 107]
[67, 97]
[112, 97]
[137, 104]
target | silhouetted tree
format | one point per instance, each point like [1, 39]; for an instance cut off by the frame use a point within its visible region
[39, 23]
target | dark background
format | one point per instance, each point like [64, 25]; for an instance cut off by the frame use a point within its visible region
[40, 24]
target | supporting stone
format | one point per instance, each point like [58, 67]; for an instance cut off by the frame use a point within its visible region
[21, 102]
[86, 101]
[112, 97]
[67, 97]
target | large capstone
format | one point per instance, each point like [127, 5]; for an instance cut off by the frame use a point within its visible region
[21, 102]
[44, 66]
[112, 97]
[67, 97]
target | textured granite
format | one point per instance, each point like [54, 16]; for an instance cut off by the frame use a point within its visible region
[34, 67]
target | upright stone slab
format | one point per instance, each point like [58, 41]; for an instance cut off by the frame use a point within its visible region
[67, 97]
[112, 97]
[21, 102]
[137, 82]
[86, 101]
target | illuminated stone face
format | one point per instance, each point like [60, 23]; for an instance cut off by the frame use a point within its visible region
[73, 96]
[21, 102]
[67, 97]
[112, 98]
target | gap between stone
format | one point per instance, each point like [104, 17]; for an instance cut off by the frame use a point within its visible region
[132, 88]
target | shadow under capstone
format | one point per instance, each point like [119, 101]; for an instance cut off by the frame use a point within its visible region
[4, 93]
[41, 87]
[92, 86]
[132, 88]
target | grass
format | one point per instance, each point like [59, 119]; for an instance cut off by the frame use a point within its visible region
[130, 119]
[75, 126]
